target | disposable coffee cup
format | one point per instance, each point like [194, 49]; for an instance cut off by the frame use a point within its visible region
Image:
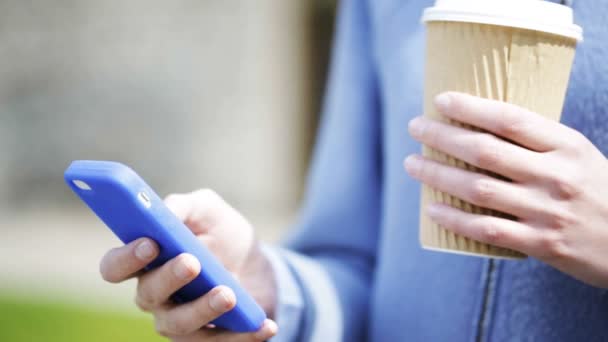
[517, 51]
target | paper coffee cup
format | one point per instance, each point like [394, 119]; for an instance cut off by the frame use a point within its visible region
[517, 51]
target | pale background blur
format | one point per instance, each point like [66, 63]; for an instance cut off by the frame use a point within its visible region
[190, 93]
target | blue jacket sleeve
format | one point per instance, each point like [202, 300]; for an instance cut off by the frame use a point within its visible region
[332, 251]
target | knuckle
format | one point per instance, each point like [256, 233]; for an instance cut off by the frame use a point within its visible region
[510, 128]
[142, 304]
[566, 186]
[561, 219]
[144, 300]
[488, 155]
[161, 328]
[578, 142]
[554, 246]
[491, 234]
[482, 191]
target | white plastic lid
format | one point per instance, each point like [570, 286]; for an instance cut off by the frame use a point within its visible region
[535, 15]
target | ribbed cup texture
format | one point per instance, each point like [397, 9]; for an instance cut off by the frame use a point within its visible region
[527, 68]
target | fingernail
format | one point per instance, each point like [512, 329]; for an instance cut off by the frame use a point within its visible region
[269, 329]
[412, 164]
[443, 101]
[433, 210]
[415, 127]
[185, 268]
[221, 301]
[145, 251]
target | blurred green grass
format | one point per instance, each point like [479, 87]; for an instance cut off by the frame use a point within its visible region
[38, 319]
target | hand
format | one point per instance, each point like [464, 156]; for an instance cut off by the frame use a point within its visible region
[555, 183]
[231, 238]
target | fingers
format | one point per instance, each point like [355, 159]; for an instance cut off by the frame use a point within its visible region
[268, 330]
[483, 150]
[475, 188]
[156, 287]
[186, 318]
[488, 229]
[122, 263]
[506, 120]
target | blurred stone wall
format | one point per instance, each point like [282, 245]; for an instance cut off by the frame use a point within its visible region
[190, 93]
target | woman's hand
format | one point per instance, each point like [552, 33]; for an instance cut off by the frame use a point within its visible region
[557, 185]
[231, 238]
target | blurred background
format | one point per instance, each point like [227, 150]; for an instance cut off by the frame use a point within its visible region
[190, 93]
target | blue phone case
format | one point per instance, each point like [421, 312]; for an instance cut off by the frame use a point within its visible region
[129, 207]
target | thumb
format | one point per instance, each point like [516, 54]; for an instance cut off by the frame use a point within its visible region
[179, 205]
[200, 210]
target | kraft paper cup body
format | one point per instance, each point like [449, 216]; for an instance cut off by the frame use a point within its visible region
[525, 67]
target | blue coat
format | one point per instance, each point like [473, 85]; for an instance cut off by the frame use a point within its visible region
[353, 269]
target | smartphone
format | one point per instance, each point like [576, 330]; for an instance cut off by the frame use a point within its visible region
[131, 209]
